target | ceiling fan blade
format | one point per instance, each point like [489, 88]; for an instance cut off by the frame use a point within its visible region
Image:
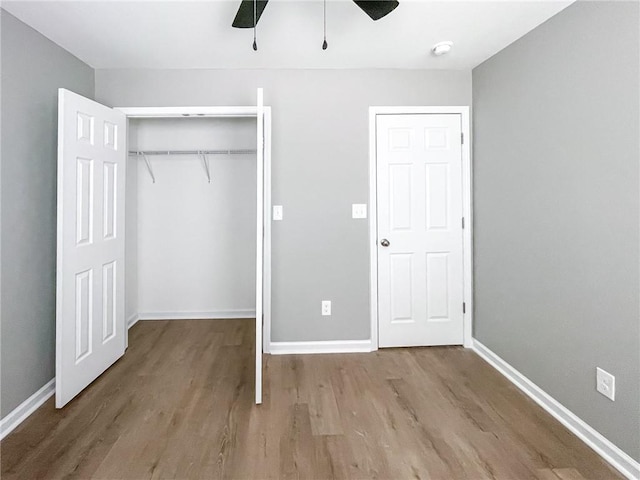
[377, 9]
[244, 17]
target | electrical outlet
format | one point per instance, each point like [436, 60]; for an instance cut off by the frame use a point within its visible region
[326, 308]
[606, 384]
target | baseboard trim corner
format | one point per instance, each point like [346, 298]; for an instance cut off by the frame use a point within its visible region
[132, 320]
[620, 460]
[210, 315]
[19, 414]
[339, 346]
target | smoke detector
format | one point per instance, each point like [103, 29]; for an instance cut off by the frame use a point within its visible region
[441, 48]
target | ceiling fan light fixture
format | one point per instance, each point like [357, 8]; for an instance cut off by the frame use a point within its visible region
[441, 48]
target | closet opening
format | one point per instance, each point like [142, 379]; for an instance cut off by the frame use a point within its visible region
[197, 225]
[191, 218]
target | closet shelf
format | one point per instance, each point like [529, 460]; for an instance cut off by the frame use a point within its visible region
[201, 153]
[192, 152]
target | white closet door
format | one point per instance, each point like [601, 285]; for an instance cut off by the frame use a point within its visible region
[90, 326]
[259, 241]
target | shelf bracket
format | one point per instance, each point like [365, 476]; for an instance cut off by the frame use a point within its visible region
[146, 161]
[205, 161]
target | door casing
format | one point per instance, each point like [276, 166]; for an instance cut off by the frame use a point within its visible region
[467, 209]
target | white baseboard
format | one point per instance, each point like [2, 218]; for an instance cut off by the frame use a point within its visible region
[215, 314]
[340, 346]
[132, 320]
[603, 447]
[26, 408]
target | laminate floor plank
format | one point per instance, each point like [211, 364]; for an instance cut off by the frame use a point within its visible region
[323, 409]
[179, 404]
[515, 418]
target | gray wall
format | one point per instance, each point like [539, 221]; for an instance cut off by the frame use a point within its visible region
[556, 132]
[33, 68]
[320, 167]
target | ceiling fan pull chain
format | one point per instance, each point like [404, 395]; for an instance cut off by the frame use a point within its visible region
[324, 25]
[255, 23]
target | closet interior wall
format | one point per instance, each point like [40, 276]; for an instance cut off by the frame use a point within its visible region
[191, 249]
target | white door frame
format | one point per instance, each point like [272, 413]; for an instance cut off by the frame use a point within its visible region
[466, 209]
[232, 112]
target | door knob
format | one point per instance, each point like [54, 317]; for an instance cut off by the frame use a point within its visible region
[384, 242]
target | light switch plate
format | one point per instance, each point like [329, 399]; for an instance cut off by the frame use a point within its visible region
[359, 210]
[606, 384]
[277, 212]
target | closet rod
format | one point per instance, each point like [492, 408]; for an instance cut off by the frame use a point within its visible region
[191, 152]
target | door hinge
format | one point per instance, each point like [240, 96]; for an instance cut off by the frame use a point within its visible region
[464, 307]
[463, 223]
[462, 138]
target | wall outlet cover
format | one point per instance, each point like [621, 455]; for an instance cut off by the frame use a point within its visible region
[326, 308]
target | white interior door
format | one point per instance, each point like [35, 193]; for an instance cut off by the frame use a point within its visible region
[259, 241]
[420, 242]
[90, 325]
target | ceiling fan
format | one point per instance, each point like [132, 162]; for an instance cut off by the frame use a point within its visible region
[250, 10]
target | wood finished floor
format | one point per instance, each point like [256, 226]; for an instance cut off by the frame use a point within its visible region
[179, 405]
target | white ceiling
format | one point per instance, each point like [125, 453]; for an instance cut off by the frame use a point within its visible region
[188, 34]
